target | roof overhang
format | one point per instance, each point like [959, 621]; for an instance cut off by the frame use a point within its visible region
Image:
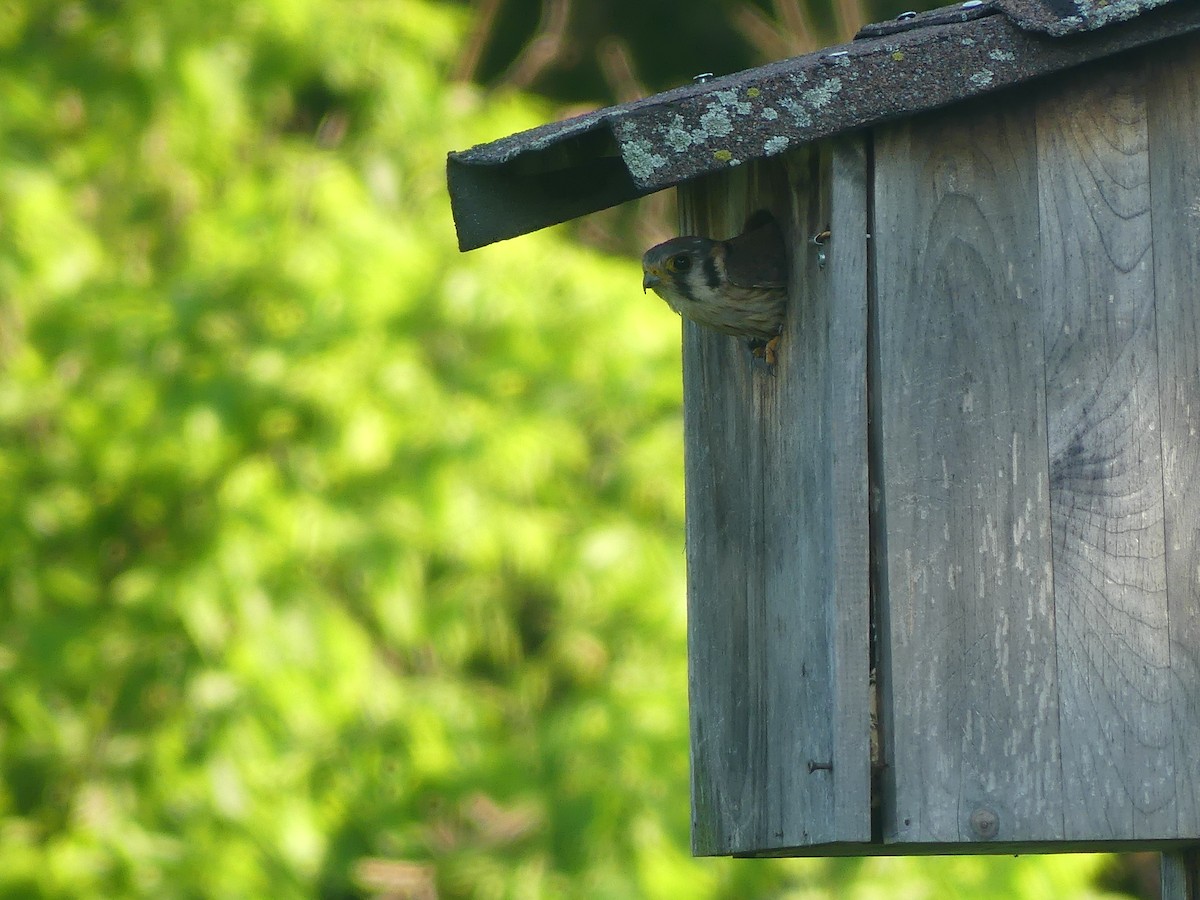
[566, 169]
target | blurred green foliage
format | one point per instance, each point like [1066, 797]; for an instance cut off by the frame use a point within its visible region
[332, 563]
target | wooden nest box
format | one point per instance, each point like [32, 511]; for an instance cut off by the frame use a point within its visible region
[944, 564]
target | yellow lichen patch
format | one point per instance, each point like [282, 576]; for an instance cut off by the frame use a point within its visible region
[898, 56]
[753, 92]
[722, 155]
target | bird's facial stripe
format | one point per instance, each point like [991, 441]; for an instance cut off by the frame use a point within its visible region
[711, 275]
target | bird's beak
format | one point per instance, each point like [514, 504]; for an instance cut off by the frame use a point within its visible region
[649, 280]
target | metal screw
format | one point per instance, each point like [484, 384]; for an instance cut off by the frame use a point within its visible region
[702, 77]
[906, 15]
[819, 240]
[819, 767]
[985, 823]
[971, 4]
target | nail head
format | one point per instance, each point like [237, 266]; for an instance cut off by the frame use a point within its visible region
[985, 823]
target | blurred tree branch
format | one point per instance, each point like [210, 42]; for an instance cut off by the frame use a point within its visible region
[548, 46]
[467, 65]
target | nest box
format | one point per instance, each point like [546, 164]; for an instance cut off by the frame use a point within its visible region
[944, 564]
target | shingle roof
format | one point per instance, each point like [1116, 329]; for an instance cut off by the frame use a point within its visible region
[1059, 17]
[566, 169]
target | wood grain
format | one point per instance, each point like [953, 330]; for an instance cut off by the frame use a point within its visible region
[1106, 476]
[777, 544]
[971, 713]
[1174, 120]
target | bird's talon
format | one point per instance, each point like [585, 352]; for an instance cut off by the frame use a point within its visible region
[763, 353]
[769, 351]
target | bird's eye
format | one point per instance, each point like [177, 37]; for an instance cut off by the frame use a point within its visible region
[681, 263]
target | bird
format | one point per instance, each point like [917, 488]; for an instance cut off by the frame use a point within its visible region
[737, 286]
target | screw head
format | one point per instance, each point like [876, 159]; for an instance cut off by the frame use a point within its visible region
[702, 77]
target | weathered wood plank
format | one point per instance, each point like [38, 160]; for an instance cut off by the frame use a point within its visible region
[1106, 474]
[847, 484]
[1174, 125]
[1180, 875]
[971, 717]
[724, 615]
[768, 555]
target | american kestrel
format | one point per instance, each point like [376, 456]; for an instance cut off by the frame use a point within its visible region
[737, 287]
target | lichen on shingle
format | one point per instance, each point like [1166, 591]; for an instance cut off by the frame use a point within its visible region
[716, 122]
[641, 160]
[1101, 12]
[774, 145]
[800, 115]
[729, 99]
[678, 136]
[823, 94]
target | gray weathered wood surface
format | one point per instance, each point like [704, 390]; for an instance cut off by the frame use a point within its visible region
[973, 723]
[847, 482]
[776, 536]
[1025, 332]
[1041, 686]
[1174, 117]
[1106, 479]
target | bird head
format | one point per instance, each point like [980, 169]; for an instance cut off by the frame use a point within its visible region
[737, 286]
[682, 270]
